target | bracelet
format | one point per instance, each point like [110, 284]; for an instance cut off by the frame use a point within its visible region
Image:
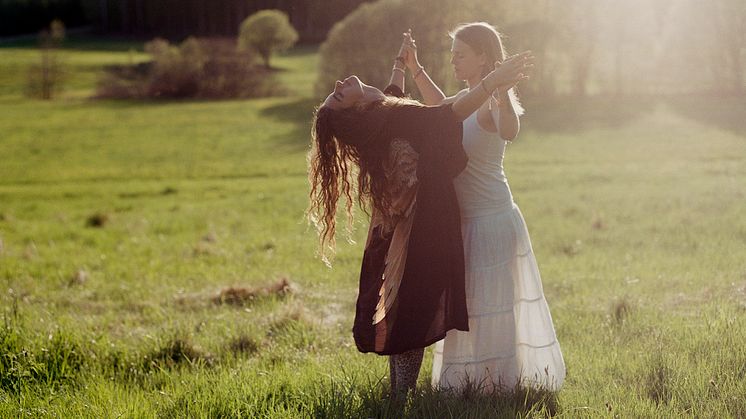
[485, 89]
[398, 69]
[421, 70]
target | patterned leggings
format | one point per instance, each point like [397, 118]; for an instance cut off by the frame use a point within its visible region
[404, 369]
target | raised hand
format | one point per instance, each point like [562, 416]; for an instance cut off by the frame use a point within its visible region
[409, 44]
[510, 72]
[502, 90]
[403, 52]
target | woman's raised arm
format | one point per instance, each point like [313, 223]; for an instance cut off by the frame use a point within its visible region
[431, 93]
[398, 70]
[509, 72]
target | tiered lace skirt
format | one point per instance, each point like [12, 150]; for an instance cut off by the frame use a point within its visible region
[511, 337]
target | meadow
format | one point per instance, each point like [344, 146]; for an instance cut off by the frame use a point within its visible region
[124, 225]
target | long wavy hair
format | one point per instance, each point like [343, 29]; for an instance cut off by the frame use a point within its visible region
[346, 159]
[484, 38]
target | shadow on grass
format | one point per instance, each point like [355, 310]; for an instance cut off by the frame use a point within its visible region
[547, 116]
[354, 400]
[343, 401]
[110, 103]
[570, 115]
[301, 51]
[724, 112]
[81, 42]
[299, 114]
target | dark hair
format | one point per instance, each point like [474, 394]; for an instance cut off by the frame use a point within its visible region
[345, 143]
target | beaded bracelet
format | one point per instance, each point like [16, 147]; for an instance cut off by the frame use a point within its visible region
[485, 89]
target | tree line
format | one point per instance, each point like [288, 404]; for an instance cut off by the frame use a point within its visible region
[583, 47]
[172, 19]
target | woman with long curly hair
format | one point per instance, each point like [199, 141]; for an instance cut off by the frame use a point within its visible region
[398, 158]
[511, 338]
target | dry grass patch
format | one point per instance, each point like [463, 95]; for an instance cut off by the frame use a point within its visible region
[246, 295]
[79, 278]
[178, 351]
[658, 381]
[30, 252]
[243, 345]
[598, 223]
[207, 245]
[621, 309]
[203, 248]
[97, 220]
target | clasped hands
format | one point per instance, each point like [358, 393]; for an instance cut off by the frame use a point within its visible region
[509, 72]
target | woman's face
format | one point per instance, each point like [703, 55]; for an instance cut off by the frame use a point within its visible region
[467, 64]
[351, 91]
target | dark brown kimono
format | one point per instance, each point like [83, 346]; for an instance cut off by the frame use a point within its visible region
[430, 297]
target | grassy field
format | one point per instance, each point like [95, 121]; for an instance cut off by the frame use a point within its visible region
[120, 223]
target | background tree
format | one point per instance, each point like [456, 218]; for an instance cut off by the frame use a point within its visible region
[366, 41]
[21, 17]
[267, 31]
[45, 78]
[725, 21]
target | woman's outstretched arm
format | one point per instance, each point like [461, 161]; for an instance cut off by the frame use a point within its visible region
[398, 71]
[431, 93]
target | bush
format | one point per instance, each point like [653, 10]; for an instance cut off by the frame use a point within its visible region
[267, 31]
[228, 73]
[198, 68]
[176, 71]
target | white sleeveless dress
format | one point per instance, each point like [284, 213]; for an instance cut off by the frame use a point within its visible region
[511, 337]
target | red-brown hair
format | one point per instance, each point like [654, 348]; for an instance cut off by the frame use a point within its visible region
[346, 159]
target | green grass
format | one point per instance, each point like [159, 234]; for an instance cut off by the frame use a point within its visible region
[635, 208]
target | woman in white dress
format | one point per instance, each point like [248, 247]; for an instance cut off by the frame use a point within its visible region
[511, 338]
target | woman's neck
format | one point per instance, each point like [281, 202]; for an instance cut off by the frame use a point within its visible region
[473, 82]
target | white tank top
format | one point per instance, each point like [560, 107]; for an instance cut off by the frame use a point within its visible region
[482, 187]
